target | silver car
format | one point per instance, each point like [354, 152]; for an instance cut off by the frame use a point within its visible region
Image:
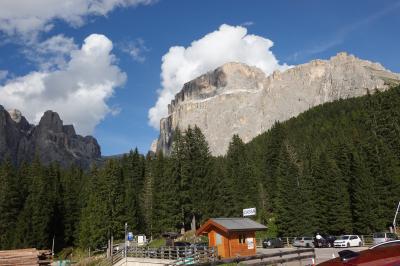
[381, 237]
[303, 241]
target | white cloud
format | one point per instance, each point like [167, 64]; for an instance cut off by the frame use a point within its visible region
[136, 49]
[52, 53]
[247, 23]
[27, 18]
[78, 91]
[227, 44]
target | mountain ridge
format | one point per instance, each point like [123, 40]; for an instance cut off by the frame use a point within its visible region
[50, 141]
[240, 99]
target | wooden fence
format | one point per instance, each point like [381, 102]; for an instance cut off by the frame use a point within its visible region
[180, 255]
[174, 253]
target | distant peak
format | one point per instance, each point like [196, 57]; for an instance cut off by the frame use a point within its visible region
[51, 120]
[15, 115]
[234, 67]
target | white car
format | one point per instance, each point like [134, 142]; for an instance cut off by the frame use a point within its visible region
[346, 241]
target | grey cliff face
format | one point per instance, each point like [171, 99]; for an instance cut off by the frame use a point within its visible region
[239, 99]
[50, 140]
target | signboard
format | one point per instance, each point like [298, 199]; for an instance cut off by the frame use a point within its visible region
[249, 212]
[130, 236]
[141, 240]
[250, 243]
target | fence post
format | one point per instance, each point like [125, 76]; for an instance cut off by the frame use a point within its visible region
[287, 241]
[362, 239]
[298, 255]
[315, 256]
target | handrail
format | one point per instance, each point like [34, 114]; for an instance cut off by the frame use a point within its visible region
[174, 253]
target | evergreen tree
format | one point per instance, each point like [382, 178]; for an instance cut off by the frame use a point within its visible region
[9, 204]
[240, 175]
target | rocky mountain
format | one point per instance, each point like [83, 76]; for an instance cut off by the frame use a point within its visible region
[50, 140]
[239, 99]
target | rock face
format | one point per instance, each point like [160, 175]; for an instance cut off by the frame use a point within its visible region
[239, 99]
[50, 140]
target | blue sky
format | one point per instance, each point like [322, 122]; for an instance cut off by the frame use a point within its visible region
[141, 32]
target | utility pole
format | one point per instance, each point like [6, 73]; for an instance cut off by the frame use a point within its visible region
[395, 218]
[52, 246]
[126, 239]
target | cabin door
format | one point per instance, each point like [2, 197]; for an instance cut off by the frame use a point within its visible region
[219, 242]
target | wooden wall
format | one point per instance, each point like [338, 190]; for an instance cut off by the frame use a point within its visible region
[231, 246]
[241, 249]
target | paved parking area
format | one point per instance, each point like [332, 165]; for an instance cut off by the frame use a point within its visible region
[322, 254]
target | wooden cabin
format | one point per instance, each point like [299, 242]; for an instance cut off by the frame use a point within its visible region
[231, 236]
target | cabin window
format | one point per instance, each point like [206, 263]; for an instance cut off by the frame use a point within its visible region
[218, 239]
[242, 239]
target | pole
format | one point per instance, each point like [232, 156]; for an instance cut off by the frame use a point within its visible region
[52, 247]
[395, 217]
[112, 247]
[126, 238]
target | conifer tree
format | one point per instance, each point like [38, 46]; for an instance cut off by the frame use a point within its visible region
[10, 204]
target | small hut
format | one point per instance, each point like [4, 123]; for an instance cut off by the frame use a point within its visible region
[231, 236]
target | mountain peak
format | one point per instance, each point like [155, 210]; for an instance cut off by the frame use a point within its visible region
[239, 99]
[50, 140]
[51, 120]
[15, 115]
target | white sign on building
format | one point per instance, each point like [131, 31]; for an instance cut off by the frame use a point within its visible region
[249, 212]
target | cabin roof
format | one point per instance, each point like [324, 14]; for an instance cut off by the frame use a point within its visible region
[231, 224]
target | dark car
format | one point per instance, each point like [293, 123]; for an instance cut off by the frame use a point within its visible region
[182, 244]
[388, 255]
[325, 242]
[199, 246]
[272, 243]
[182, 249]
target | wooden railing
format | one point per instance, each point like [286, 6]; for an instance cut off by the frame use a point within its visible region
[267, 259]
[174, 253]
[116, 257]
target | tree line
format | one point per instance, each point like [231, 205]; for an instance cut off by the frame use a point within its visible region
[334, 169]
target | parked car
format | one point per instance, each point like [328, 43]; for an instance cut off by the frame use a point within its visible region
[182, 249]
[386, 244]
[303, 241]
[199, 245]
[182, 244]
[272, 243]
[386, 255]
[348, 241]
[383, 237]
[325, 242]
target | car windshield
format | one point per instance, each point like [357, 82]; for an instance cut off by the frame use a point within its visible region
[344, 237]
[379, 235]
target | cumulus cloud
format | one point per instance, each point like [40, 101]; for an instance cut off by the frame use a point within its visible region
[227, 44]
[27, 18]
[51, 53]
[78, 90]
